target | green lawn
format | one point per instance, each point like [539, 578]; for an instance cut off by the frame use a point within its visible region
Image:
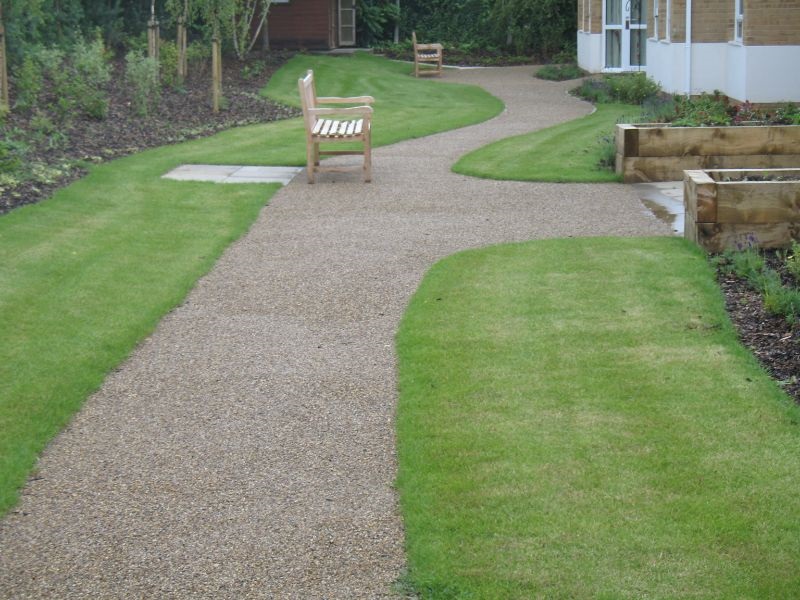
[89, 273]
[578, 420]
[565, 153]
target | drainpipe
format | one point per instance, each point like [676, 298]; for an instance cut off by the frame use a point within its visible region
[688, 53]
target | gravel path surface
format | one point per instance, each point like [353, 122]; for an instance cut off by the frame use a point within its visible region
[246, 449]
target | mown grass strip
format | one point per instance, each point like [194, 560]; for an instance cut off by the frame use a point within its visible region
[578, 420]
[89, 273]
[565, 153]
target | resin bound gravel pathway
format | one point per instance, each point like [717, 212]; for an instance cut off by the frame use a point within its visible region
[246, 449]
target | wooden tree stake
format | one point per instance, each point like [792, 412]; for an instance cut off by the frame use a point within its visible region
[182, 66]
[152, 33]
[4, 97]
[216, 73]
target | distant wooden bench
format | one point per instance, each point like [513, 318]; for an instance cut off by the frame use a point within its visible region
[341, 124]
[427, 54]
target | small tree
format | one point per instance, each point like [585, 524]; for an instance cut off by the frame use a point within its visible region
[236, 17]
[245, 15]
[180, 9]
[216, 13]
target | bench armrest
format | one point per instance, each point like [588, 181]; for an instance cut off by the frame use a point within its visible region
[338, 100]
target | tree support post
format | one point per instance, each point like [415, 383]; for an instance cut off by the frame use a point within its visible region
[182, 66]
[216, 73]
[4, 96]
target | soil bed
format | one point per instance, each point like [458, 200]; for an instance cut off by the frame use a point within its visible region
[181, 115]
[772, 340]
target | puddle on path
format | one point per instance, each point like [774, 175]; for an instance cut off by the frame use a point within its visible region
[665, 201]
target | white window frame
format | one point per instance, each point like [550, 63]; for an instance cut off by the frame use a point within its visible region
[668, 21]
[738, 21]
[655, 18]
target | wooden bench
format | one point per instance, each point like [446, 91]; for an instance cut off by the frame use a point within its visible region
[341, 124]
[427, 54]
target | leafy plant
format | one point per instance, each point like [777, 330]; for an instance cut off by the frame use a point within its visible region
[608, 153]
[92, 73]
[375, 20]
[253, 69]
[12, 154]
[141, 73]
[628, 88]
[704, 110]
[792, 261]
[28, 83]
[632, 88]
[560, 72]
[788, 114]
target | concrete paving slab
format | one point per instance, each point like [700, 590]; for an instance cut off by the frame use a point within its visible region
[233, 174]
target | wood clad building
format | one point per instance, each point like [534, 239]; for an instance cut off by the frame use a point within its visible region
[312, 24]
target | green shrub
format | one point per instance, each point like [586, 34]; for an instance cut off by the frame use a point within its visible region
[632, 88]
[141, 73]
[567, 56]
[793, 261]
[702, 111]
[168, 63]
[560, 72]
[608, 153]
[28, 84]
[92, 73]
[658, 109]
[627, 88]
[595, 91]
[781, 300]
[198, 56]
[787, 115]
[12, 154]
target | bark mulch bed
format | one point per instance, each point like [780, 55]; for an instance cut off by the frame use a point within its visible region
[774, 341]
[182, 114]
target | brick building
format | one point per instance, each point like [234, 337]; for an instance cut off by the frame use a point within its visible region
[312, 24]
[748, 49]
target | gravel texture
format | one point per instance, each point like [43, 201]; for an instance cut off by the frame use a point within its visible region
[246, 449]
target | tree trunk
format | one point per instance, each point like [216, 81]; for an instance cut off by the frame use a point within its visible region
[216, 70]
[152, 33]
[4, 96]
[182, 66]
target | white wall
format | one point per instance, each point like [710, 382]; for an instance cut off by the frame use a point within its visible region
[754, 73]
[590, 51]
[772, 74]
[709, 68]
[665, 65]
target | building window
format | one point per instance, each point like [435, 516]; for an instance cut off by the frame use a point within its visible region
[739, 21]
[655, 19]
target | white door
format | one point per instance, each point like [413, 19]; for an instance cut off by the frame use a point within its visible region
[625, 29]
[347, 22]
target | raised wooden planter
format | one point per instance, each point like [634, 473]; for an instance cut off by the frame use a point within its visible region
[724, 211]
[658, 152]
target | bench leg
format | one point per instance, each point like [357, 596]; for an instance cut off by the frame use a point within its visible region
[368, 157]
[311, 151]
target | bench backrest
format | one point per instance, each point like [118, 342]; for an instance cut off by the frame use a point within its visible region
[308, 97]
